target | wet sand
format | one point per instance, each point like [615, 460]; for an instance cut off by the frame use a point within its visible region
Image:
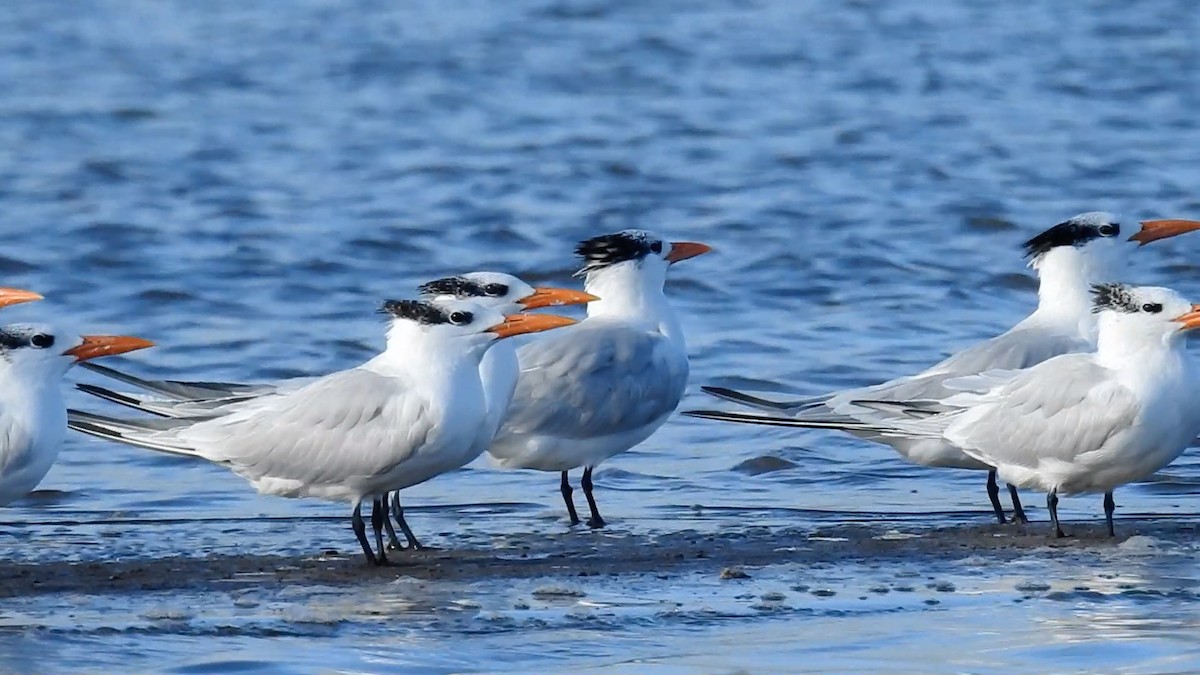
[731, 554]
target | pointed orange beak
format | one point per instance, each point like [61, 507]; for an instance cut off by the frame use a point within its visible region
[555, 297]
[519, 324]
[682, 250]
[1153, 230]
[15, 296]
[1190, 320]
[106, 345]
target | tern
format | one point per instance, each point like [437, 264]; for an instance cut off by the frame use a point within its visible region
[501, 292]
[597, 389]
[33, 415]
[1083, 422]
[1068, 258]
[411, 413]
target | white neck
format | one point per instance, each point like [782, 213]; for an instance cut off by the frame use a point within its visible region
[1065, 277]
[432, 358]
[1123, 342]
[633, 292]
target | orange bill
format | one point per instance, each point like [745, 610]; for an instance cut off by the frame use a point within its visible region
[1153, 230]
[106, 345]
[519, 324]
[555, 297]
[682, 250]
[15, 296]
[1190, 320]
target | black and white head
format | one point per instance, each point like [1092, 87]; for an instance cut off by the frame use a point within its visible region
[36, 350]
[1092, 237]
[502, 292]
[1151, 311]
[459, 322]
[1095, 240]
[634, 250]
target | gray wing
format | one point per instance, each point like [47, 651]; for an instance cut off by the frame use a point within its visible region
[1017, 349]
[348, 424]
[177, 389]
[1059, 409]
[594, 381]
[175, 398]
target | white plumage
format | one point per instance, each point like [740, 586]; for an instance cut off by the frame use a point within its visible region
[414, 412]
[601, 387]
[1068, 258]
[1080, 422]
[33, 416]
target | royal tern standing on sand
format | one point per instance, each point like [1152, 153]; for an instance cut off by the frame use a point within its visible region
[33, 416]
[414, 412]
[598, 389]
[1079, 422]
[501, 292]
[1068, 259]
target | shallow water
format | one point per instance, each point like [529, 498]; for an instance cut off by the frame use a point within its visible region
[244, 185]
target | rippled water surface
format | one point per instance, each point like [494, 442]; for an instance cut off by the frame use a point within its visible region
[244, 182]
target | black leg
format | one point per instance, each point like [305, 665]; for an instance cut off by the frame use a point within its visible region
[566, 490]
[586, 484]
[1018, 511]
[993, 491]
[1052, 505]
[393, 541]
[1109, 507]
[378, 518]
[360, 531]
[398, 514]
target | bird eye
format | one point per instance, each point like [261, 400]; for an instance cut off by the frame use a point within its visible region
[1152, 307]
[461, 318]
[42, 341]
[656, 247]
[1110, 229]
[496, 290]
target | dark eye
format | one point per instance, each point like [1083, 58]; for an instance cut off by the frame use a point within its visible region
[42, 341]
[1110, 229]
[496, 290]
[1152, 307]
[461, 318]
[656, 247]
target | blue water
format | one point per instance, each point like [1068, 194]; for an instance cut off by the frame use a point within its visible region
[243, 183]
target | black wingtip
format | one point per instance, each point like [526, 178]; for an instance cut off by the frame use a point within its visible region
[106, 394]
[735, 396]
[740, 418]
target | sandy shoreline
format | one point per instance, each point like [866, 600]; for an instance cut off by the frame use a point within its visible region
[531, 555]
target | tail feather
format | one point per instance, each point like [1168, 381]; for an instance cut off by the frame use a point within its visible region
[752, 401]
[140, 433]
[141, 403]
[913, 427]
[175, 389]
[776, 421]
[177, 408]
[915, 409]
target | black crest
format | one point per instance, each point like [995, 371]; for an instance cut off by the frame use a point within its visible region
[1075, 231]
[459, 287]
[415, 310]
[1117, 297]
[12, 340]
[1062, 234]
[610, 249]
